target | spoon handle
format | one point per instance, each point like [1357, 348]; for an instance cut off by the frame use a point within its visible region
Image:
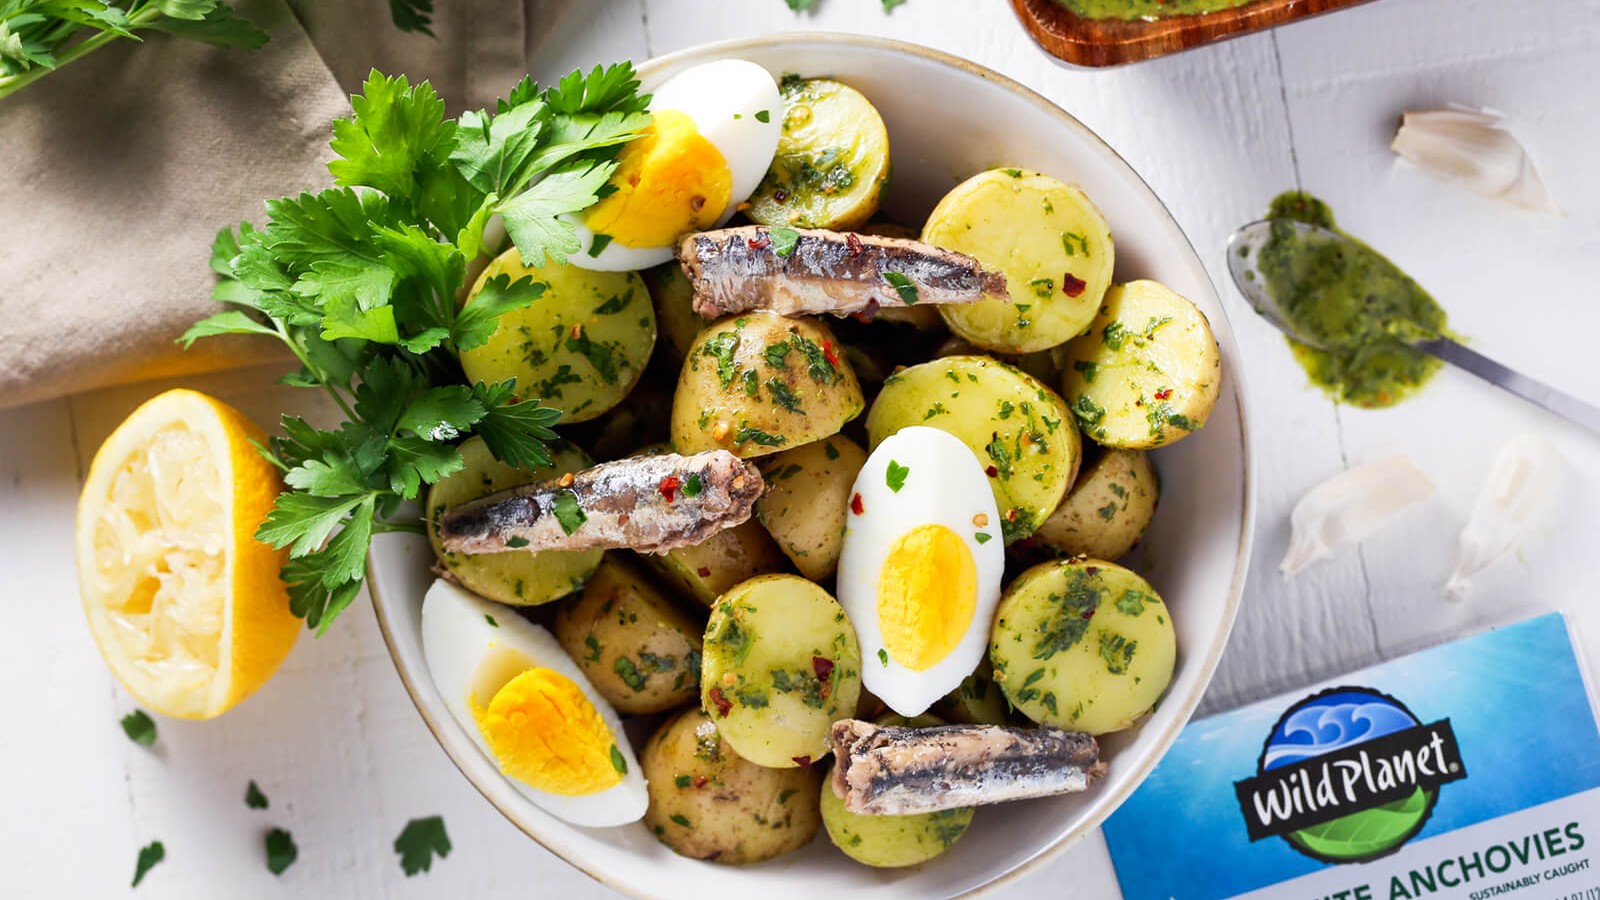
[1562, 404]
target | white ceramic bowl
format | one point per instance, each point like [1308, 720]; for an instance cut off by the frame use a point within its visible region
[947, 119]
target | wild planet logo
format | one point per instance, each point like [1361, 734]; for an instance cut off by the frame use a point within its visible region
[1348, 775]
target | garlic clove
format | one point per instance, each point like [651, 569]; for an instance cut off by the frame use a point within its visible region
[1351, 505]
[1473, 148]
[1520, 484]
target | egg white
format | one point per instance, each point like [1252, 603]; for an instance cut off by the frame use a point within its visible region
[722, 98]
[946, 485]
[467, 655]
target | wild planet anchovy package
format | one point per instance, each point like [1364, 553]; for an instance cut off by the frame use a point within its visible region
[1468, 771]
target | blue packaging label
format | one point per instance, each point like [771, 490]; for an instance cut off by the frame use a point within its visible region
[1470, 770]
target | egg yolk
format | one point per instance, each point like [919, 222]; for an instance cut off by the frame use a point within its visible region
[927, 594]
[670, 181]
[545, 733]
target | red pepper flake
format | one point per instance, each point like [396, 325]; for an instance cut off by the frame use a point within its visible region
[1012, 514]
[801, 761]
[758, 243]
[853, 244]
[701, 781]
[780, 195]
[723, 704]
[823, 667]
[1091, 570]
[828, 352]
[1072, 285]
[703, 571]
[1164, 395]
[866, 316]
[668, 485]
[1088, 614]
[992, 472]
[855, 504]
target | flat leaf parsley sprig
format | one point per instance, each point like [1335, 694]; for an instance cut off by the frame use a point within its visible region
[39, 36]
[361, 281]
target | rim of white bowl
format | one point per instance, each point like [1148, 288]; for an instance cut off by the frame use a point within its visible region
[1213, 653]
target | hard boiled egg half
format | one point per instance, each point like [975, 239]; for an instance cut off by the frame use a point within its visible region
[921, 566]
[715, 132]
[523, 700]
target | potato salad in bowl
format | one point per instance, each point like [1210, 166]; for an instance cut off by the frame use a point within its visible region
[847, 560]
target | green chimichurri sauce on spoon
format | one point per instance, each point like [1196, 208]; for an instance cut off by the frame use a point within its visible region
[1352, 315]
[1363, 330]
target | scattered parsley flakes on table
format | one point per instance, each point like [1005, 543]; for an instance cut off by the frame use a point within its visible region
[139, 727]
[149, 855]
[419, 842]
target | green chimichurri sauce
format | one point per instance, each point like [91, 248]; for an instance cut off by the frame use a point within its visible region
[1356, 305]
[1146, 9]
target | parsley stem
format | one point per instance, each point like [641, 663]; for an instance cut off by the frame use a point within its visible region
[10, 84]
[322, 378]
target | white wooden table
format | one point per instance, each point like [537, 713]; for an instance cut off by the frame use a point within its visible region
[334, 741]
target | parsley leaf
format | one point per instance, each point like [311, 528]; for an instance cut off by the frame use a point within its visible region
[531, 217]
[419, 842]
[253, 797]
[281, 851]
[905, 287]
[361, 282]
[784, 239]
[152, 853]
[414, 15]
[895, 478]
[568, 512]
[139, 727]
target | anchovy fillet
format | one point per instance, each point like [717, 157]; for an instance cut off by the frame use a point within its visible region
[890, 770]
[644, 503]
[735, 270]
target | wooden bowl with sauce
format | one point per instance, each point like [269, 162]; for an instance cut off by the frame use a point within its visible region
[1082, 40]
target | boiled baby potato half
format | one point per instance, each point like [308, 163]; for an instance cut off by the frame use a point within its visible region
[638, 649]
[808, 499]
[708, 803]
[832, 165]
[702, 572]
[1108, 508]
[517, 577]
[673, 297]
[1082, 644]
[781, 665]
[580, 347]
[1147, 373]
[1048, 239]
[760, 383]
[1019, 429]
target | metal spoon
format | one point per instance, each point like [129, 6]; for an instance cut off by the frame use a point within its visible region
[1244, 248]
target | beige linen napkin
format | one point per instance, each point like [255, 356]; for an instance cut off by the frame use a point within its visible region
[120, 168]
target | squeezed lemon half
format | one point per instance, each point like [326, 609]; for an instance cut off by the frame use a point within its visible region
[185, 604]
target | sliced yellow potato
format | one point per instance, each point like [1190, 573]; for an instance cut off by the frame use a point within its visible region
[1082, 644]
[1018, 429]
[832, 165]
[1050, 241]
[580, 347]
[1147, 373]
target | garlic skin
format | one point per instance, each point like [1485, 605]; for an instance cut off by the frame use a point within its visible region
[1521, 483]
[1351, 505]
[1470, 147]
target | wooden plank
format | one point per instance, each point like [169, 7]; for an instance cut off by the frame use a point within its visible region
[1113, 42]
